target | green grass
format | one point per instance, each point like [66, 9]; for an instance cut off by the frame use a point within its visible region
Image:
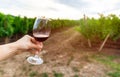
[36, 74]
[75, 76]
[43, 75]
[75, 69]
[114, 74]
[108, 61]
[1, 72]
[58, 74]
[69, 61]
[33, 74]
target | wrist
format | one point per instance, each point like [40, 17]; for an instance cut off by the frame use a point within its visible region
[14, 47]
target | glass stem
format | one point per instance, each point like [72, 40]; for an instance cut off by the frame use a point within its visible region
[36, 56]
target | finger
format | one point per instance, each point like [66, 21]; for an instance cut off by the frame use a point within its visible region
[36, 47]
[35, 44]
[34, 41]
[32, 52]
[36, 52]
[41, 44]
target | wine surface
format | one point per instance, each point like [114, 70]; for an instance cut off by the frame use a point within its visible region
[40, 37]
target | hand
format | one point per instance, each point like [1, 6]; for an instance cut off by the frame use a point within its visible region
[28, 43]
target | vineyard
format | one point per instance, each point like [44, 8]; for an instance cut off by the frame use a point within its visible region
[102, 29]
[90, 28]
[15, 25]
[72, 50]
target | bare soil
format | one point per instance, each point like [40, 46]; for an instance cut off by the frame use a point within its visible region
[66, 52]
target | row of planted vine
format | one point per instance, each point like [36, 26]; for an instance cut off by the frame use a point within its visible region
[13, 25]
[103, 28]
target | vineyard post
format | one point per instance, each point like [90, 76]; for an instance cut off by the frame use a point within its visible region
[88, 40]
[101, 47]
[7, 39]
[89, 43]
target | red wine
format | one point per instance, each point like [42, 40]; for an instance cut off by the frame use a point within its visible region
[40, 37]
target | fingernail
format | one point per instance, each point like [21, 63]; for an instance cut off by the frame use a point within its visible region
[36, 52]
[40, 46]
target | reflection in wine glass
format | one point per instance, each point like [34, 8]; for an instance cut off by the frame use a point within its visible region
[41, 32]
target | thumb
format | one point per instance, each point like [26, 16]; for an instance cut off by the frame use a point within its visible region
[36, 46]
[34, 41]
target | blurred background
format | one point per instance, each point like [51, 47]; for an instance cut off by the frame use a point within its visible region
[85, 38]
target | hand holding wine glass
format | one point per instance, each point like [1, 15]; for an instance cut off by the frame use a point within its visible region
[41, 32]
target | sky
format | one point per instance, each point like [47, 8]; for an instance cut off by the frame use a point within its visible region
[63, 9]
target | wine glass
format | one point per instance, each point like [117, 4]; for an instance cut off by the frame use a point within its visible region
[41, 31]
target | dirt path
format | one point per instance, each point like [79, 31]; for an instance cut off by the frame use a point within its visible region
[63, 55]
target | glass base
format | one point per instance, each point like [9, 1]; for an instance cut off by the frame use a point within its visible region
[35, 60]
